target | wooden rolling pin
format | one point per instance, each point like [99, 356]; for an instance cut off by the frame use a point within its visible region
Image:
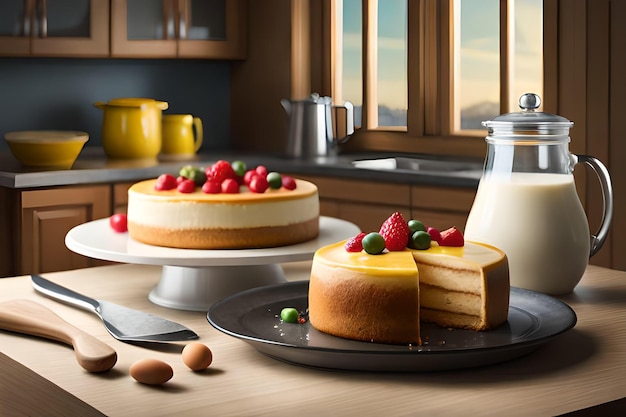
[29, 317]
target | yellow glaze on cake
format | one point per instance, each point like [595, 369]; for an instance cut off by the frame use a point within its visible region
[223, 221]
[383, 298]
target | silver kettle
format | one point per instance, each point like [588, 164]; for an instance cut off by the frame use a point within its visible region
[310, 131]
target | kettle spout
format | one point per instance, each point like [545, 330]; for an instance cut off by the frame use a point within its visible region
[286, 105]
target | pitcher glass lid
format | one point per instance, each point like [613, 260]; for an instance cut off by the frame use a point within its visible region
[529, 121]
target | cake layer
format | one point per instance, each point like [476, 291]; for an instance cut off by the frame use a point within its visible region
[466, 287]
[178, 211]
[258, 237]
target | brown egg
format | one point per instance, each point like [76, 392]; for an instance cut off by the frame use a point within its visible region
[151, 371]
[197, 356]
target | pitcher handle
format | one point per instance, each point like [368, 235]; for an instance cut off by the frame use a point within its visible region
[602, 173]
[197, 126]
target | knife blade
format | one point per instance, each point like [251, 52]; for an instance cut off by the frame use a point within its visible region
[121, 322]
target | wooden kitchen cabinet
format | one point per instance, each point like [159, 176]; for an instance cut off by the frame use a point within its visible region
[120, 196]
[67, 28]
[34, 223]
[442, 207]
[46, 216]
[368, 204]
[178, 29]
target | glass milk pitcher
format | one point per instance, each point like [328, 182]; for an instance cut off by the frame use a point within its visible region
[527, 205]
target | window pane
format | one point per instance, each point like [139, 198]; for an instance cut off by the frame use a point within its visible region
[392, 63]
[477, 62]
[68, 18]
[527, 56]
[12, 18]
[146, 19]
[352, 56]
[208, 20]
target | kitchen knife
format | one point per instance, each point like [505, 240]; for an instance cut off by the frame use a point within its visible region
[123, 323]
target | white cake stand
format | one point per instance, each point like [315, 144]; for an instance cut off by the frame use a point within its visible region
[196, 279]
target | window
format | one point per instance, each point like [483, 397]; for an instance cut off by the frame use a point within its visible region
[435, 69]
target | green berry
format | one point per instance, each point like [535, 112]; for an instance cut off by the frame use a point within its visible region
[420, 240]
[239, 167]
[289, 315]
[275, 180]
[373, 243]
[415, 225]
[193, 173]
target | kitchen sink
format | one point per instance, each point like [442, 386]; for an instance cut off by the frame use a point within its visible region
[421, 165]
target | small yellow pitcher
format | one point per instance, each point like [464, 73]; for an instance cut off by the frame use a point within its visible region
[182, 135]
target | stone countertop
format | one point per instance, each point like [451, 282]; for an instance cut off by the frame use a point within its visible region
[92, 166]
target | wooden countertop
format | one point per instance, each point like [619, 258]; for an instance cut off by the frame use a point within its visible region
[583, 368]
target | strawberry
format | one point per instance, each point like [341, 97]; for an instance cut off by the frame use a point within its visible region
[258, 184]
[289, 183]
[355, 244]
[434, 234]
[219, 171]
[247, 177]
[211, 187]
[452, 237]
[396, 232]
[186, 187]
[165, 182]
[230, 186]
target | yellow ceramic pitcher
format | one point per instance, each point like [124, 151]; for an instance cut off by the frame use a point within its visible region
[131, 127]
[182, 135]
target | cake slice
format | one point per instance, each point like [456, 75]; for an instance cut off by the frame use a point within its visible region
[382, 298]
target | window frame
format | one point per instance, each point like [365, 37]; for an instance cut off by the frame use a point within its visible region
[429, 127]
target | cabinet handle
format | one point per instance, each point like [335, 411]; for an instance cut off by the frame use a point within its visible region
[43, 19]
[27, 21]
[169, 22]
[183, 13]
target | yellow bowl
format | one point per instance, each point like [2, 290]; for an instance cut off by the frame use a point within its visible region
[46, 148]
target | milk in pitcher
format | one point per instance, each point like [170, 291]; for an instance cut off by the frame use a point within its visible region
[538, 220]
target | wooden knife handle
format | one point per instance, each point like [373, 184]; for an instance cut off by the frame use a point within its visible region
[29, 317]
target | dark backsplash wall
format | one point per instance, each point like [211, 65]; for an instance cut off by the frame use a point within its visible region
[46, 93]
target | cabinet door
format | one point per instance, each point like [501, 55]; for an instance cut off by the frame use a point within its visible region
[120, 197]
[16, 25]
[143, 28]
[71, 28]
[212, 28]
[178, 28]
[47, 216]
[54, 28]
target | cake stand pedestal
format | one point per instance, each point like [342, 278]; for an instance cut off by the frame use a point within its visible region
[195, 279]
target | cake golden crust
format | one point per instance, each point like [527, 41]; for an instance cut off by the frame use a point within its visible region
[247, 238]
[365, 310]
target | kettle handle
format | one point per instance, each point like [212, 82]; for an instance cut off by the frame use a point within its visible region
[602, 173]
[349, 120]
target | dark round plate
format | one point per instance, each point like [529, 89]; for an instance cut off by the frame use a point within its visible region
[254, 317]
